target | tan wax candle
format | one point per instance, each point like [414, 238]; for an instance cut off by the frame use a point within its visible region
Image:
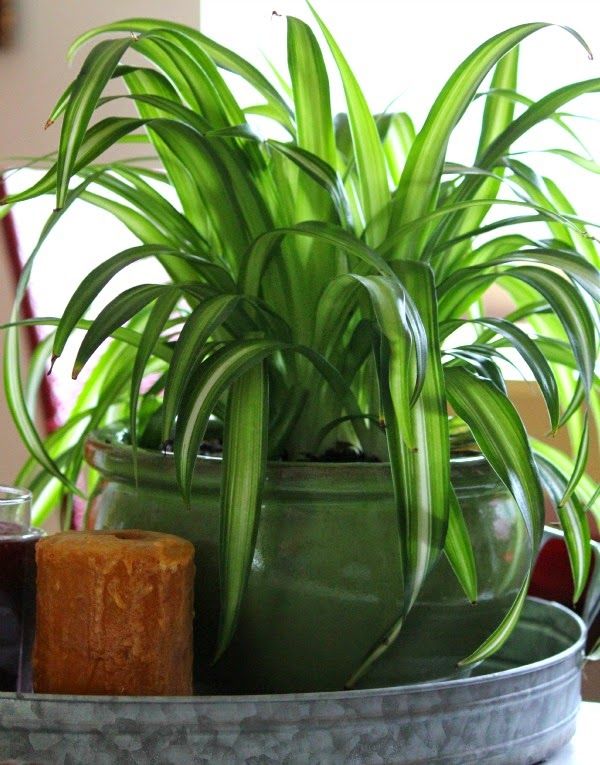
[114, 613]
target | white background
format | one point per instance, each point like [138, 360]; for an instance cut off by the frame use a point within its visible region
[406, 51]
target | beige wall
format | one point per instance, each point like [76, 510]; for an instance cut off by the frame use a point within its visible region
[33, 72]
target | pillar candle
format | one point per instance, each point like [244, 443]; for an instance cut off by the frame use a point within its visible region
[114, 613]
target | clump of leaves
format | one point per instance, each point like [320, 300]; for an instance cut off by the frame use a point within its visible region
[318, 287]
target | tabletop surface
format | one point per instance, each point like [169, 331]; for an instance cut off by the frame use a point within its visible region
[583, 747]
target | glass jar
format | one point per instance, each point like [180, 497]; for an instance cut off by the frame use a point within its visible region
[17, 588]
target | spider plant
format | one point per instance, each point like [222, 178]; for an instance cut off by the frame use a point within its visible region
[327, 286]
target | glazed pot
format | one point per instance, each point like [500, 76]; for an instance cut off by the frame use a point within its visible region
[324, 583]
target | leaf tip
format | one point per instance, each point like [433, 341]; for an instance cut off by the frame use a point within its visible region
[52, 363]
[49, 122]
[219, 651]
[186, 495]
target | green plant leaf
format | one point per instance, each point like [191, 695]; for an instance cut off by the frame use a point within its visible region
[532, 356]
[129, 185]
[163, 307]
[573, 522]
[98, 278]
[572, 311]
[519, 98]
[595, 496]
[123, 334]
[368, 151]
[233, 208]
[262, 248]
[497, 115]
[36, 373]
[502, 439]
[13, 384]
[193, 75]
[420, 470]
[481, 362]
[399, 234]
[417, 192]
[581, 460]
[136, 222]
[565, 300]
[584, 162]
[17, 402]
[446, 244]
[244, 463]
[574, 405]
[323, 174]
[536, 113]
[587, 487]
[63, 101]
[310, 87]
[214, 376]
[98, 138]
[425, 492]
[498, 112]
[571, 263]
[326, 429]
[162, 105]
[97, 69]
[591, 607]
[405, 373]
[199, 326]
[459, 550]
[497, 639]
[223, 57]
[398, 140]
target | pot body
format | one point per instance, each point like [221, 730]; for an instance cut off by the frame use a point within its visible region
[324, 583]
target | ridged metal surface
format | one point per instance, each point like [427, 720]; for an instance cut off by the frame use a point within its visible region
[518, 709]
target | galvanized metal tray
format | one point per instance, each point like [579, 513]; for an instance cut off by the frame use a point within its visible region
[515, 709]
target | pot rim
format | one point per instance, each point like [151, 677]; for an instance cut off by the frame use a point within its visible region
[104, 439]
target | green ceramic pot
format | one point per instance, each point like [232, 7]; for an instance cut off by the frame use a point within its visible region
[324, 580]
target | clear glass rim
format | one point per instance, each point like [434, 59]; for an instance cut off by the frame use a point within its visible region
[31, 532]
[13, 495]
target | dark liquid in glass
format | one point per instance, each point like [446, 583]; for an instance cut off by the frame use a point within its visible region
[17, 605]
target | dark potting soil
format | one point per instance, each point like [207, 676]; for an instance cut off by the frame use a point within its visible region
[339, 452]
[343, 452]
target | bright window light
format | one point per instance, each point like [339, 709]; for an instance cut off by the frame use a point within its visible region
[402, 53]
